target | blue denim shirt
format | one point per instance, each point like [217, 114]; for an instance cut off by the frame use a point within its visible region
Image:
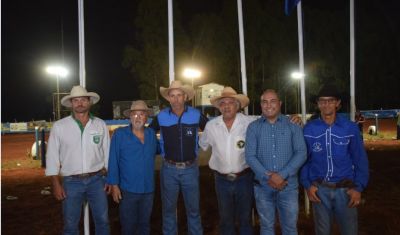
[131, 163]
[275, 147]
[335, 153]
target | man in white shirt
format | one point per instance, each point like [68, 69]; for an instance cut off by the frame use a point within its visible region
[78, 151]
[233, 177]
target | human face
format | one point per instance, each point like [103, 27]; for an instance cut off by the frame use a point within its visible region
[138, 119]
[177, 98]
[228, 108]
[328, 105]
[80, 105]
[270, 105]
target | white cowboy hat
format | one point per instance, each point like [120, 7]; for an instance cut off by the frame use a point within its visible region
[176, 84]
[79, 91]
[229, 92]
[138, 105]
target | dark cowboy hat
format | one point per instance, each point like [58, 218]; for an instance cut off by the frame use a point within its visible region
[329, 90]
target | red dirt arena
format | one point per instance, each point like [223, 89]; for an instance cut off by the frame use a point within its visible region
[27, 210]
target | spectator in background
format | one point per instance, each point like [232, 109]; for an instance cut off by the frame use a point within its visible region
[359, 119]
[78, 151]
[336, 171]
[131, 170]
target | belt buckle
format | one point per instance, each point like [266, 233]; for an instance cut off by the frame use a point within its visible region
[84, 175]
[231, 177]
[180, 165]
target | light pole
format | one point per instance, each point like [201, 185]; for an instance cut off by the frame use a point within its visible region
[59, 72]
[297, 76]
[191, 73]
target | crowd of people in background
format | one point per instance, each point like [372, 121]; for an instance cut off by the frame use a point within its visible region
[254, 160]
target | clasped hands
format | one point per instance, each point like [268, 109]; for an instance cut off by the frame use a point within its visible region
[276, 181]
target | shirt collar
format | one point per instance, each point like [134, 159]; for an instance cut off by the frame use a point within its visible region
[264, 119]
[185, 109]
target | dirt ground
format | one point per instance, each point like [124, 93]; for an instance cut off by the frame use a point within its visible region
[33, 213]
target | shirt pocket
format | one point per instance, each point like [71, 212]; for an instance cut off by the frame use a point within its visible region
[340, 145]
[96, 138]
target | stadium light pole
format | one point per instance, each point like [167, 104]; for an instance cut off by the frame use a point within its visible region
[59, 72]
[297, 76]
[192, 74]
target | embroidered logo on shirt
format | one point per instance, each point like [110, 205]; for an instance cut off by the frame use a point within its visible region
[188, 131]
[96, 139]
[240, 144]
[316, 147]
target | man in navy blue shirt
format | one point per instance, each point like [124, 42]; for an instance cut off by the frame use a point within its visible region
[336, 171]
[178, 126]
[131, 170]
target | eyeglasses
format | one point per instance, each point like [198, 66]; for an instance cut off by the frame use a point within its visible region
[327, 101]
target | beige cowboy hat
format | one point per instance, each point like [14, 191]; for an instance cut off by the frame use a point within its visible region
[138, 105]
[176, 84]
[229, 92]
[79, 91]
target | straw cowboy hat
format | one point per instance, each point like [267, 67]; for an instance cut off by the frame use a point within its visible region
[138, 105]
[176, 84]
[229, 92]
[79, 91]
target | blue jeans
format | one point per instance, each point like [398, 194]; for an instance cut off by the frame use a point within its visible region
[334, 204]
[78, 190]
[134, 212]
[235, 200]
[173, 179]
[286, 202]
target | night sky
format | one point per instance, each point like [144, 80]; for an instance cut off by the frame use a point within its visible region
[35, 34]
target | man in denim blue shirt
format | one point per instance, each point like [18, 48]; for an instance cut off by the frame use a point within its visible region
[275, 151]
[336, 171]
[131, 170]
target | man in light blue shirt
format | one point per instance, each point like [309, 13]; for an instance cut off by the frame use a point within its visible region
[131, 170]
[275, 151]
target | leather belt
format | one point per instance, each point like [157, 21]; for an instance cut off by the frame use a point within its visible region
[234, 176]
[346, 183]
[87, 175]
[180, 165]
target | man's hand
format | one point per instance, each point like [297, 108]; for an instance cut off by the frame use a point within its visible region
[58, 189]
[355, 197]
[312, 194]
[276, 181]
[294, 118]
[108, 188]
[116, 193]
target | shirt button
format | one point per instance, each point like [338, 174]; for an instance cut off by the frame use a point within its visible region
[273, 135]
[273, 156]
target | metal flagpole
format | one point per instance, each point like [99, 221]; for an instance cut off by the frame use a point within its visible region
[352, 63]
[302, 85]
[82, 82]
[242, 52]
[171, 41]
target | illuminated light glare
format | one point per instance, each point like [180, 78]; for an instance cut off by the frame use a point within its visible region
[191, 73]
[57, 70]
[297, 75]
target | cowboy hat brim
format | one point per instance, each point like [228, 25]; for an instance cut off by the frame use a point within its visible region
[66, 100]
[188, 90]
[243, 100]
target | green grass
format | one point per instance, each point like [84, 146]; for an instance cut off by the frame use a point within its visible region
[382, 135]
[20, 164]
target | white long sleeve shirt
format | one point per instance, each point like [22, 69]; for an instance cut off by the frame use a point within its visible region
[227, 146]
[74, 151]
